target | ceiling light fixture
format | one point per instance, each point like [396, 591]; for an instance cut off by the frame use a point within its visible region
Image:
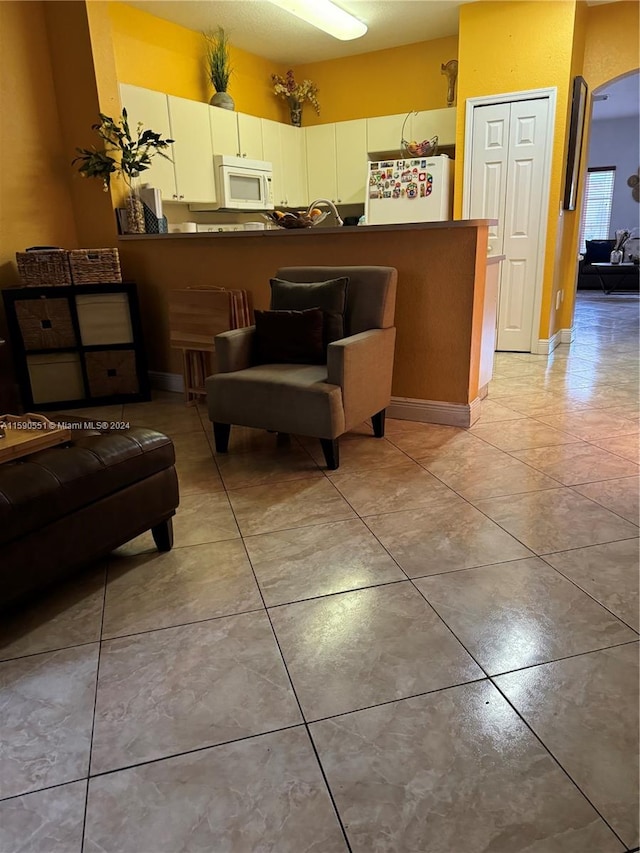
[325, 16]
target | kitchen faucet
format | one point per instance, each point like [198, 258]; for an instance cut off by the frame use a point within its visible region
[329, 204]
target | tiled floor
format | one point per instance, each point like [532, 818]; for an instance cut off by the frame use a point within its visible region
[432, 650]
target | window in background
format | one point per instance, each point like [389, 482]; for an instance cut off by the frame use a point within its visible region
[596, 211]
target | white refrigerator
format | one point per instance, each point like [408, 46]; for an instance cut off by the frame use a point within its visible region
[417, 189]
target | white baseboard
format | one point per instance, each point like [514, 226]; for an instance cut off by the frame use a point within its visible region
[567, 336]
[166, 381]
[547, 345]
[435, 411]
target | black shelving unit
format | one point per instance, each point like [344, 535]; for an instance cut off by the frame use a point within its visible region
[96, 367]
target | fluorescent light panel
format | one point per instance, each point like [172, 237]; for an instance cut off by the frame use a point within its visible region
[325, 16]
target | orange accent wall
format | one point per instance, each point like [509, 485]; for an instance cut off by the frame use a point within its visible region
[384, 82]
[166, 57]
[35, 201]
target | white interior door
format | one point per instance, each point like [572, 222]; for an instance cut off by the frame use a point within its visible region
[508, 174]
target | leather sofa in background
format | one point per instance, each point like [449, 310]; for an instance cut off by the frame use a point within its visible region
[62, 508]
[597, 251]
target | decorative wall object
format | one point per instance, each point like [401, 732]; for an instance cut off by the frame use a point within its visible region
[633, 181]
[451, 72]
[576, 131]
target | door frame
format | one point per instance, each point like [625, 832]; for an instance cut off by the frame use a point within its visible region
[550, 93]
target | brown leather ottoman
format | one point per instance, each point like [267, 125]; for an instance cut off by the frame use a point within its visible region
[64, 507]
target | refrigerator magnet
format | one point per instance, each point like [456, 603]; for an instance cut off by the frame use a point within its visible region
[422, 176]
[412, 190]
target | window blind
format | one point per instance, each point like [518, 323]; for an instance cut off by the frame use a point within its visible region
[596, 211]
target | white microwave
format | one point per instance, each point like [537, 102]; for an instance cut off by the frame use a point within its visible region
[241, 184]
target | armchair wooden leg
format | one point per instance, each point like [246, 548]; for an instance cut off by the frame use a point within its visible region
[163, 535]
[377, 422]
[331, 451]
[221, 437]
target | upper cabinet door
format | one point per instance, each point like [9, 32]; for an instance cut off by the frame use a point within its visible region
[272, 152]
[193, 155]
[224, 131]
[384, 133]
[250, 136]
[351, 148]
[430, 123]
[152, 110]
[321, 162]
[295, 162]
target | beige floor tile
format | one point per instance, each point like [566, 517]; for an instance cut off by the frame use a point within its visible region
[46, 707]
[443, 539]
[321, 560]
[168, 416]
[556, 520]
[429, 440]
[620, 496]
[268, 466]
[199, 477]
[487, 475]
[191, 447]
[94, 414]
[361, 453]
[300, 503]
[183, 585]
[248, 440]
[405, 486]
[627, 446]
[518, 435]
[492, 411]
[48, 821]
[184, 688]
[361, 648]
[67, 615]
[455, 770]
[203, 518]
[571, 464]
[522, 613]
[607, 572]
[266, 793]
[596, 423]
[544, 402]
[585, 711]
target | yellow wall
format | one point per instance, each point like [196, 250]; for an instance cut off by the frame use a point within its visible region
[35, 202]
[159, 55]
[510, 47]
[612, 45]
[384, 82]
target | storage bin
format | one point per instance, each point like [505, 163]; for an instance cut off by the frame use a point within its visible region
[45, 323]
[111, 372]
[55, 377]
[44, 268]
[104, 318]
[95, 266]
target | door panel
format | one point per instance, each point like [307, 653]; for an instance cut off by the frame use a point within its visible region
[272, 152]
[489, 169]
[351, 162]
[250, 136]
[152, 110]
[192, 153]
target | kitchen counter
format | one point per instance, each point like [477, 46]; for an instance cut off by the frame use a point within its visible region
[445, 338]
[312, 232]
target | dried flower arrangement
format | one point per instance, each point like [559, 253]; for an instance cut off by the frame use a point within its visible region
[296, 93]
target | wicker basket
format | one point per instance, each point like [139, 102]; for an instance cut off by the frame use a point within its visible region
[95, 266]
[44, 268]
[45, 323]
[112, 372]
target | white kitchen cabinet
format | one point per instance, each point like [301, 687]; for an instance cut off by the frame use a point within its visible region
[322, 180]
[272, 151]
[430, 123]
[151, 108]
[384, 133]
[351, 161]
[250, 136]
[193, 154]
[294, 160]
[236, 134]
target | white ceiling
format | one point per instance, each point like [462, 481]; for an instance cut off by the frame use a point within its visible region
[623, 100]
[266, 30]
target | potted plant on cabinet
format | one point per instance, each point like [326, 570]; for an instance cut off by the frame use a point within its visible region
[219, 67]
[296, 94]
[126, 155]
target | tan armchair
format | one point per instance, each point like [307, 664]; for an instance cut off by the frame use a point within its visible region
[323, 401]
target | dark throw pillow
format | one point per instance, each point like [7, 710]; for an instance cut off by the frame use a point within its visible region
[330, 296]
[598, 251]
[289, 337]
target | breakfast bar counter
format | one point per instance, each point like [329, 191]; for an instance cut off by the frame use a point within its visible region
[443, 309]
